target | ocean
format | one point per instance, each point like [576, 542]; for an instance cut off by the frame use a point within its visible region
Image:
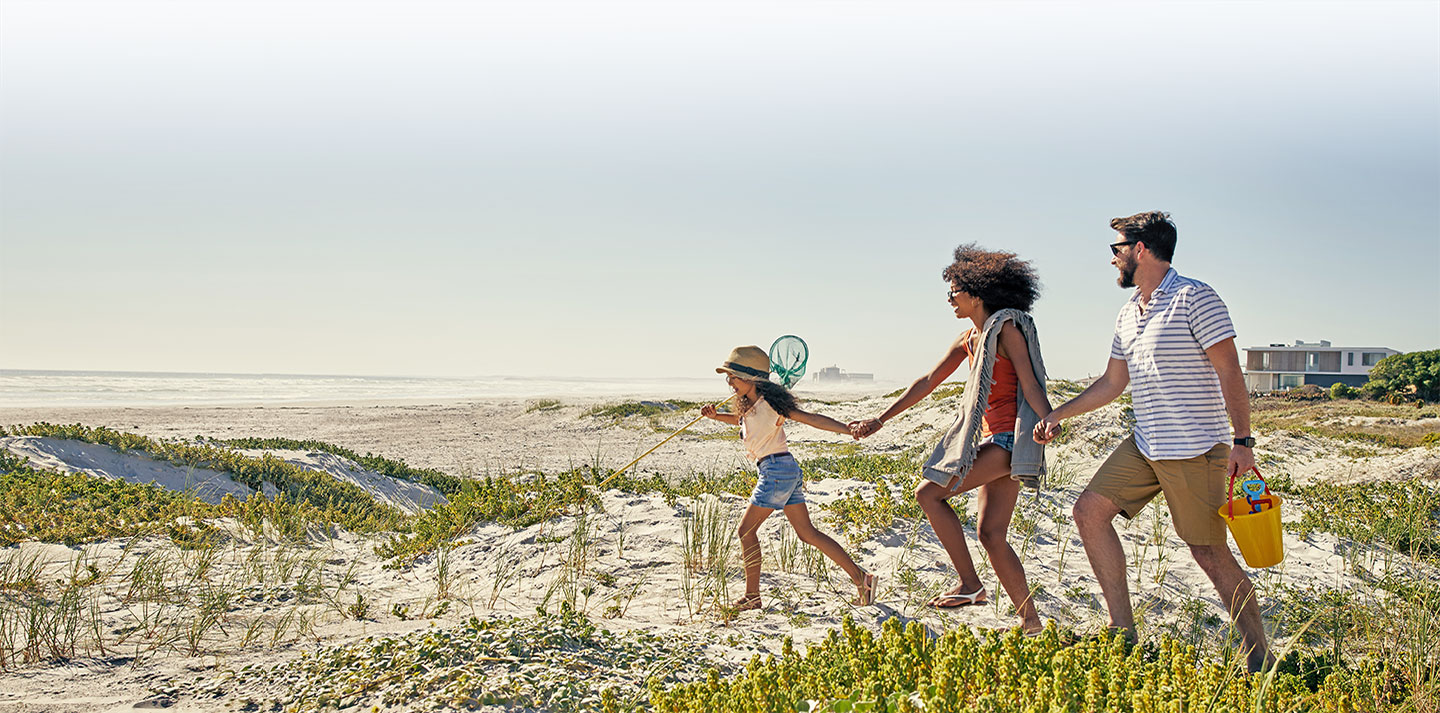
[34, 388]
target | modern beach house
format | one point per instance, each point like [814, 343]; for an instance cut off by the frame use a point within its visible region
[1287, 366]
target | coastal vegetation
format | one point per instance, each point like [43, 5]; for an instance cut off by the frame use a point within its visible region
[1367, 422]
[192, 578]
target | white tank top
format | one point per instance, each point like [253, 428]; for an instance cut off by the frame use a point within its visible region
[762, 430]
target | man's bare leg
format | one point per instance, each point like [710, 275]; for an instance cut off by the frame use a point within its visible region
[1094, 520]
[1235, 590]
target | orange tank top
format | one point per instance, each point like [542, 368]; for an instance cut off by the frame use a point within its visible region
[1001, 408]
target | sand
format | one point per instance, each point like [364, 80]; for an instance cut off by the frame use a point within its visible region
[633, 572]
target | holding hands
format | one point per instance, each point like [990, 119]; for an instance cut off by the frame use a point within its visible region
[865, 427]
[1047, 428]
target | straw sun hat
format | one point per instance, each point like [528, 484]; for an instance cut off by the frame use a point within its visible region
[747, 363]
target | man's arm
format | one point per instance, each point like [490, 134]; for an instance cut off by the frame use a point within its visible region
[1226, 361]
[1105, 389]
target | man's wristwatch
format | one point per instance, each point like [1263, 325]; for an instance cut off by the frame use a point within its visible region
[1248, 441]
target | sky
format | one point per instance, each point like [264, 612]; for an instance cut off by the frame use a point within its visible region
[615, 189]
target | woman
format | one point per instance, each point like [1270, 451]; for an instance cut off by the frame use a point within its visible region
[991, 438]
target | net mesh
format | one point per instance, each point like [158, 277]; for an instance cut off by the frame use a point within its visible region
[787, 359]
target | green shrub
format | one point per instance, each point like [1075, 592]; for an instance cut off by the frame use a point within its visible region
[1414, 374]
[394, 468]
[641, 408]
[74, 508]
[905, 669]
[334, 501]
[1404, 516]
[1340, 390]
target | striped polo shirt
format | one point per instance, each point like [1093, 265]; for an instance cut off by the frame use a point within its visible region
[1179, 408]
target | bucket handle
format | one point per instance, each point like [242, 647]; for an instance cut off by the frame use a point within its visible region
[1230, 502]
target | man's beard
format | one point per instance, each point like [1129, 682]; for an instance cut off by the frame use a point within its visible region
[1127, 275]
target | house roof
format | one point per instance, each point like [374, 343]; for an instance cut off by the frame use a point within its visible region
[1317, 348]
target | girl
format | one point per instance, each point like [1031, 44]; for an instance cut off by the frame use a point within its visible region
[761, 408]
[991, 438]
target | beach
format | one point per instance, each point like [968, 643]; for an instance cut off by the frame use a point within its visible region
[643, 562]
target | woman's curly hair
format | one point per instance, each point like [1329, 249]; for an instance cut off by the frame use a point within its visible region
[998, 278]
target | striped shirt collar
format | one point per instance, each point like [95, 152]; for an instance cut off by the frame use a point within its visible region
[1167, 284]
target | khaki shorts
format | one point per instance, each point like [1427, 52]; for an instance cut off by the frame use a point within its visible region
[1194, 488]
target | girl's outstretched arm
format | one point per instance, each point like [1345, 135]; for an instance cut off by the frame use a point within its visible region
[815, 420]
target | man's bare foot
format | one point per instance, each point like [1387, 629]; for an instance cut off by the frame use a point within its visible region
[1032, 628]
[749, 601]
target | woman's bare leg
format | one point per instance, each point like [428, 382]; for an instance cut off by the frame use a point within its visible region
[991, 463]
[997, 505]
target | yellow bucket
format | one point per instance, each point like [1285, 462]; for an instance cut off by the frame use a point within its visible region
[1256, 534]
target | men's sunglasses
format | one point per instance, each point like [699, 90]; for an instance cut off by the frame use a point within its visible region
[1115, 247]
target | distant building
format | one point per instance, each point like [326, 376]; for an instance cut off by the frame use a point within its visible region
[834, 373]
[1285, 366]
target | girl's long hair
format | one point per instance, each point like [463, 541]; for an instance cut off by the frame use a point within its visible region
[776, 395]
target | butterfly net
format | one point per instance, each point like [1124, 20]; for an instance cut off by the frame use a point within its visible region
[787, 359]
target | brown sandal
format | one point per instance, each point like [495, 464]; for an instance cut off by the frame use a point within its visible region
[869, 587]
[745, 603]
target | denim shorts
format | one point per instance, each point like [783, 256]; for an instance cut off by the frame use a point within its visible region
[1005, 440]
[781, 483]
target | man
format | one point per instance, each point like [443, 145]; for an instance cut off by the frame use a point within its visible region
[1175, 346]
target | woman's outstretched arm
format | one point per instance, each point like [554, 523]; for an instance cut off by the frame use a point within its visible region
[954, 356]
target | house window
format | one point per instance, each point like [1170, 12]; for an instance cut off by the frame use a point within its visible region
[1291, 381]
[1312, 361]
[1372, 358]
[1350, 358]
[1265, 361]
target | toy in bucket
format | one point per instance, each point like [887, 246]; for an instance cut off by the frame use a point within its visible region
[1257, 494]
[1254, 521]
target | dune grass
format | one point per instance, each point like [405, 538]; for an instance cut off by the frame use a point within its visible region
[1369, 422]
[857, 516]
[445, 483]
[1404, 517]
[642, 408]
[333, 501]
[1351, 653]
[903, 669]
[558, 662]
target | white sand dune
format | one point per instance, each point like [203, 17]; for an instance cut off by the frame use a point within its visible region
[68, 456]
[404, 495]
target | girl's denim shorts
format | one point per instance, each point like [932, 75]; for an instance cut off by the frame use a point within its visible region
[781, 482]
[1005, 440]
